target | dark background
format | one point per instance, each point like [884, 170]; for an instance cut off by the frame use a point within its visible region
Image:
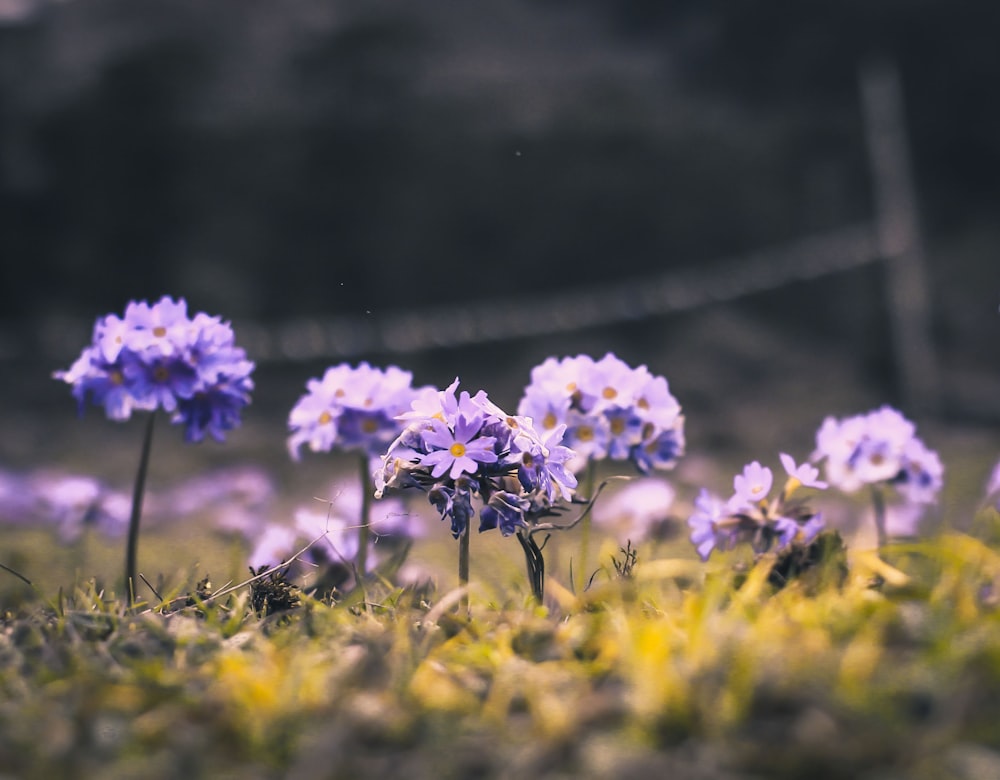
[306, 160]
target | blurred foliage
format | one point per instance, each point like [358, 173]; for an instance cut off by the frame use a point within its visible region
[891, 668]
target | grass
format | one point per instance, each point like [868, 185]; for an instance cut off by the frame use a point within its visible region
[888, 667]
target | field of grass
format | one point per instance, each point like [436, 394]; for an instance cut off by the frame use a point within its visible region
[861, 667]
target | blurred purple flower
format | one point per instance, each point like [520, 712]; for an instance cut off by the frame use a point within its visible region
[155, 357]
[610, 410]
[351, 408]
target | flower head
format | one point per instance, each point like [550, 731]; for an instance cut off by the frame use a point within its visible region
[458, 447]
[610, 410]
[753, 485]
[878, 448]
[156, 357]
[751, 515]
[351, 408]
[459, 450]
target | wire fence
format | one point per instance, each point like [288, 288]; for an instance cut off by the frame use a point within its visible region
[501, 319]
[891, 237]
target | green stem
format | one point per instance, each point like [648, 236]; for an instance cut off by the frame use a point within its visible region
[133, 523]
[367, 490]
[580, 575]
[878, 502]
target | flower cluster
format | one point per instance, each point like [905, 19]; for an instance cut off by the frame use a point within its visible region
[332, 542]
[157, 357]
[610, 410]
[351, 408]
[880, 447]
[226, 500]
[751, 516]
[456, 447]
[639, 511]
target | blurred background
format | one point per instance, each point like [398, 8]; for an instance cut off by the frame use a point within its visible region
[789, 210]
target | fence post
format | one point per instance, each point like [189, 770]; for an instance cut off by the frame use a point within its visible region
[898, 237]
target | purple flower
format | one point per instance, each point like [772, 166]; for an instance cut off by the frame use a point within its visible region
[753, 485]
[804, 475]
[706, 523]
[156, 357]
[458, 451]
[542, 463]
[351, 408]
[161, 382]
[993, 485]
[215, 409]
[504, 511]
[748, 516]
[454, 502]
[610, 410]
[878, 448]
[458, 446]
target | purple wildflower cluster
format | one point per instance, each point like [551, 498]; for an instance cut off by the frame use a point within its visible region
[229, 499]
[456, 447]
[351, 408]
[879, 448]
[332, 541]
[638, 511]
[610, 410]
[749, 515]
[158, 357]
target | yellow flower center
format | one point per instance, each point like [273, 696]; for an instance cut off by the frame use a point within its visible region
[585, 433]
[117, 378]
[527, 460]
[609, 392]
[617, 426]
[642, 403]
[369, 425]
[549, 421]
[325, 417]
[457, 449]
[160, 374]
[159, 331]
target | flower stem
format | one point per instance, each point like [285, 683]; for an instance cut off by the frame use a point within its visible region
[878, 502]
[463, 564]
[580, 575]
[367, 488]
[535, 563]
[133, 522]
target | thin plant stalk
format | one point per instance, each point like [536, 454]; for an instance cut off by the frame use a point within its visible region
[463, 565]
[133, 523]
[367, 489]
[878, 503]
[535, 563]
[588, 494]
